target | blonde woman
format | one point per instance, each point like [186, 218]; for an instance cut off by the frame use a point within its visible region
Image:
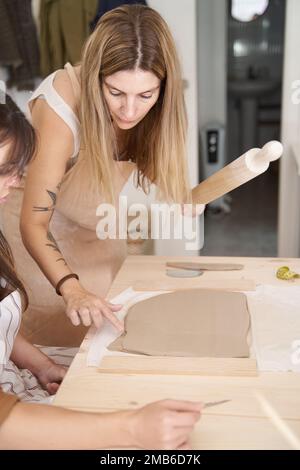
[116, 119]
[26, 374]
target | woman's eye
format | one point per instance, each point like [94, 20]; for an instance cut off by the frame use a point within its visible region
[117, 93]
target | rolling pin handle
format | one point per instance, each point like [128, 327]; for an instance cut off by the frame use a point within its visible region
[270, 151]
[258, 161]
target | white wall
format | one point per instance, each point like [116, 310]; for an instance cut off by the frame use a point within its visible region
[289, 190]
[181, 18]
[212, 60]
[212, 78]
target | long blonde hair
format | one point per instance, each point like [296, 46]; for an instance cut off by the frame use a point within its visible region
[127, 38]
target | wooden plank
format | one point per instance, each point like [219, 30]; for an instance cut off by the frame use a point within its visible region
[163, 365]
[205, 266]
[192, 283]
[94, 390]
[150, 268]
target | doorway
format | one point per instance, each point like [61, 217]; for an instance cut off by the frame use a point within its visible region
[245, 222]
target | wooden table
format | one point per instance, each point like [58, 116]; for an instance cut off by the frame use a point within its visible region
[240, 424]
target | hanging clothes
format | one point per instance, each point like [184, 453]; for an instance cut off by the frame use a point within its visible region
[19, 49]
[64, 27]
[107, 5]
[35, 8]
[9, 52]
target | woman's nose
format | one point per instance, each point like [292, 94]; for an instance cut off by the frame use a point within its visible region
[128, 110]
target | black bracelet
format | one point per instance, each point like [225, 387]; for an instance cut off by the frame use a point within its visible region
[65, 278]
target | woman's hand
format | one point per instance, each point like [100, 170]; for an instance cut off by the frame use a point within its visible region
[50, 376]
[87, 308]
[165, 424]
[27, 356]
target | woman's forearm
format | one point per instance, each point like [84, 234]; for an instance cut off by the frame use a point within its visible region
[43, 248]
[27, 356]
[31, 426]
[82, 306]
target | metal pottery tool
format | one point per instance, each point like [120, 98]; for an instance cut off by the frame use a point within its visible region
[251, 164]
[209, 404]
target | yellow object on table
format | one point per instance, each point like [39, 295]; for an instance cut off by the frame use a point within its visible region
[286, 274]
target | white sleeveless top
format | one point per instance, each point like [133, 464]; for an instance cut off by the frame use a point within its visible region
[13, 380]
[47, 91]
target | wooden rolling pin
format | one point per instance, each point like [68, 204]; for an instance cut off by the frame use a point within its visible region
[245, 168]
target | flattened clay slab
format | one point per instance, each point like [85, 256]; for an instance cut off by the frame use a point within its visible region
[194, 323]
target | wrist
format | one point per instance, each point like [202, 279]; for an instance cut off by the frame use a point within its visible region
[27, 356]
[129, 425]
[117, 429]
[63, 280]
[41, 364]
[68, 287]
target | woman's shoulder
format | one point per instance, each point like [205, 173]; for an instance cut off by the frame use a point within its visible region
[56, 114]
[57, 83]
[63, 86]
[11, 299]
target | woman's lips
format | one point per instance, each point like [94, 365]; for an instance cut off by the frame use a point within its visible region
[126, 122]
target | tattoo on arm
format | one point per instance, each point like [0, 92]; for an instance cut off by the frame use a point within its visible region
[53, 198]
[51, 208]
[53, 244]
